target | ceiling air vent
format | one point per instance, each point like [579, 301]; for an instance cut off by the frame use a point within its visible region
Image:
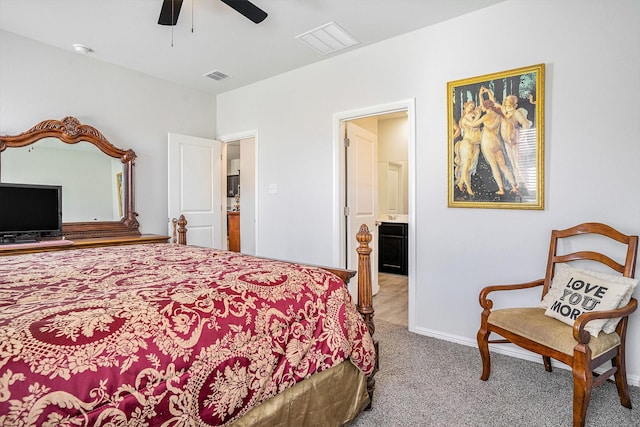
[328, 38]
[217, 75]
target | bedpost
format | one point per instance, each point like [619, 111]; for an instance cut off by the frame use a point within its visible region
[365, 293]
[180, 227]
[365, 297]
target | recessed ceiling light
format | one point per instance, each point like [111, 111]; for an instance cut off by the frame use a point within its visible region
[80, 48]
[328, 38]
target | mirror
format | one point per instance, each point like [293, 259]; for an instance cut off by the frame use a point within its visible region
[96, 177]
[50, 161]
[393, 188]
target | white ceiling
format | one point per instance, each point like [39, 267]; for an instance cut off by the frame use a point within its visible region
[125, 32]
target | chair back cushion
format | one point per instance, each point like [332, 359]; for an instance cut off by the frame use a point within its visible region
[575, 291]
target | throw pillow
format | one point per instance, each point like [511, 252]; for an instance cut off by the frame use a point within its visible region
[574, 291]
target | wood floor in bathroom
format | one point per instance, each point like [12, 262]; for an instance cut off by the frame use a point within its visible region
[391, 301]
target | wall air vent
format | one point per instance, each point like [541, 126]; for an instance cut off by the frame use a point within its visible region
[327, 38]
[217, 75]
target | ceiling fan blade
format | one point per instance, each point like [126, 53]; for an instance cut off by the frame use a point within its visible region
[248, 9]
[166, 16]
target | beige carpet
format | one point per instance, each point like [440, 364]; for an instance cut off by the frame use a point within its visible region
[429, 382]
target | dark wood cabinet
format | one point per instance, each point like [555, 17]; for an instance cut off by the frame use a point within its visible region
[233, 230]
[393, 246]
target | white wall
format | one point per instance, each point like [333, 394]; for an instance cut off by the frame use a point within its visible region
[592, 54]
[132, 110]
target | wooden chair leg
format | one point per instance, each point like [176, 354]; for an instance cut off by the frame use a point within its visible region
[582, 384]
[483, 346]
[546, 360]
[621, 378]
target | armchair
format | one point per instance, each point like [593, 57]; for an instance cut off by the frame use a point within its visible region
[585, 300]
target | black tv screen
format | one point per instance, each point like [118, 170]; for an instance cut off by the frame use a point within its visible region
[30, 211]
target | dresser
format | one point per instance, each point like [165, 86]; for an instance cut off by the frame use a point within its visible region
[94, 242]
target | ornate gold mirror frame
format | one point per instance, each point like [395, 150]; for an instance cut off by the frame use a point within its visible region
[71, 131]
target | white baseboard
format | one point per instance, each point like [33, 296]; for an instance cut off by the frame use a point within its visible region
[508, 350]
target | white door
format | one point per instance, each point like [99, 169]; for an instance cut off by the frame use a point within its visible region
[195, 188]
[362, 194]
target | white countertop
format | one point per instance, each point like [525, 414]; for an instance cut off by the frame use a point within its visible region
[401, 218]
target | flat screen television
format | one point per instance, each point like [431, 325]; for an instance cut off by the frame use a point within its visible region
[30, 212]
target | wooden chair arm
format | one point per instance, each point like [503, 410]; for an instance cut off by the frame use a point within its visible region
[582, 336]
[488, 304]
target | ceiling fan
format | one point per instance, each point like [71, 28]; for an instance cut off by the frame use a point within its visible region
[171, 9]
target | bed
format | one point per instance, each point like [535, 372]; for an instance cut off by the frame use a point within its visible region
[169, 334]
[111, 328]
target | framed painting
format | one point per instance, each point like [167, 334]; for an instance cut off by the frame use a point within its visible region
[496, 140]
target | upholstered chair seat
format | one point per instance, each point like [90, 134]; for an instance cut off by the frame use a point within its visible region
[531, 323]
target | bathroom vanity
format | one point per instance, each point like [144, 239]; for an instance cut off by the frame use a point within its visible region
[393, 247]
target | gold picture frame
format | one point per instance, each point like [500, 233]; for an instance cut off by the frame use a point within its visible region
[496, 140]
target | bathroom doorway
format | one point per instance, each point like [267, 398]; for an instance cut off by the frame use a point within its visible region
[391, 203]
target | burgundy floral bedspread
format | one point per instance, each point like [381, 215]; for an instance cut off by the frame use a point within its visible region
[162, 334]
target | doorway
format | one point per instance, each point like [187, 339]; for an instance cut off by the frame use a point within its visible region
[393, 180]
[239, 203]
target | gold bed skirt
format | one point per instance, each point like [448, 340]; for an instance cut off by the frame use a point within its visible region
[331, 398]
